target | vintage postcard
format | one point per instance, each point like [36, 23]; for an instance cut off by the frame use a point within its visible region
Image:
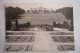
[39, 27]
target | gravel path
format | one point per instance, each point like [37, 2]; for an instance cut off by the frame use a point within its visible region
[43, 42]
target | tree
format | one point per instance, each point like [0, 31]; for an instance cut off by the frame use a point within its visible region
[12, 13]
[54, 24]
[68, 13]
[16, 24]
[65, 25]
[8, 25]
[59, 25]
[28, 11]
[28, 24]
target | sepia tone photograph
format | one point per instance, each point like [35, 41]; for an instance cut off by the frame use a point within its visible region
[39, 27]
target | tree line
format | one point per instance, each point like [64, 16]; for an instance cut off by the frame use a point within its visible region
[12, 13]
[68, 13]
[28, 24]
[59, 25]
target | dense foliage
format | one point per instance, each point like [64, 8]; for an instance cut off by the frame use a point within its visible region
[12, 13]
[59, 25]
[68, 13]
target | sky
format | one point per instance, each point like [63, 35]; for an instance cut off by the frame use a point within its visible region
[27, 6]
